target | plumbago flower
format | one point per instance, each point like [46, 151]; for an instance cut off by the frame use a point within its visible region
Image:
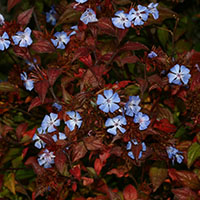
[116, 123]
[75, 120]
[39, 143]
[152, 9]
[23, 38]
[108, 103]
[61, 136]
[1, 20]
[131, 106]
[46, 159]
[174, 154]
[4, 42]
[142, 119]
[49, 122]
[121, 20]
[135, 142]
[51, 16]
[61, 40]
[138, 17]
[179, 73]
[28, 83]
[88, 16]
[152, 54]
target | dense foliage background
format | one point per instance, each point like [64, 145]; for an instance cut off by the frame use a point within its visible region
[155, 159]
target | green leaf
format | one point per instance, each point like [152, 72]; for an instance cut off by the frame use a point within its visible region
[9, 182]
[7, 87]
[193, 154]
[158, 173]
[12, 153]
[163, 35]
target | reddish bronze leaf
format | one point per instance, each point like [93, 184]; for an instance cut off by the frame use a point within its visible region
[47, 139]
[106, 27]
[132, 46]
[21, 130]
[98, 166]
[22, 52]
[30, 133]
[129, 59]
[87, 60]
[53, 74]
[43, 46]
[81, 52]
[79, 151]
[118, 172]
[41, 88]
[87, 181]
[185, 194]
[165, 126]
[74, 188]
[11, 4]
[130, 193]
[61, 162]
[38, 34]
[76, 172]
[93, 143]
[24, 17]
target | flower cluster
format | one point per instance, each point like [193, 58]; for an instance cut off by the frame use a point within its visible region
[174, 154]
[51, 16]
[136, 17]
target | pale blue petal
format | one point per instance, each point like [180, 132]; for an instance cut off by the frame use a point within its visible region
[54, 137]
[55, 42]
[5, 36]
[112, 131]
[109, 122]
[29, 84]
[184, 70]
[118, 22]
[104, 107]
[115, 98]
[23, 43]
[100, 99]
[144, 148]
[51, 129]
[79, 124]
[186, 78]
[113, 107]
[175, 69]
[41, 161]
[38, 145]
[53, 116]
[140, 155]
[62, 136]
[123, 130]
[78, 116]
[130, 154]
[108, 93]
[16, 39]
[171, 77]
[129, 145]
[71, 114]
[70, 124]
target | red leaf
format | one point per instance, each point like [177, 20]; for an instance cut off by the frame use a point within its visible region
[43, 46]
[37, 102]
[130, 193]
[41, 88]
[103, 157]
[24, 17]
[47, 139]
[11, 4]
[132, 46]
[87, 60]
[74, 188]
[98, 166]
[93, 143]
[21, 130]
[165, 126]
[24, 152]
[79, 151]
[121, 33]
[22, 52]
[30, 133]
[83, 51]
[184, 194]
[118, 172]
[60, 161]
[87, 181]
[106, 27]
[129, 59]
[38, 34]
[53, 74]
[76, 172]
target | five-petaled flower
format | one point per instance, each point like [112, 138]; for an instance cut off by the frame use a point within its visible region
[174, 154]
[4, 42]
[75, 120]
[116, 123]
[1, 20]
[142, 119]
[179, 73]
[129, 148]
[108, 103]
[28, 83]
[153, 10]
[121, 20]
[132, 106]
[51, 16]
[61, 40]
[138, 17]
[39, 142]
[46, 158]
[49, 122]
[88, 16]
[23, 38]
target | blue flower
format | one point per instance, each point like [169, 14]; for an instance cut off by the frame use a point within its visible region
[121, 21]
[153, 10]
[88, 16]
[152, 54]
[135, 142]
[179, 73]
[74, 28]
[61, 41]
[4, 42]
[49, 122]
[39, 143]
[109, 102]
[57, 106]
[75, 120]
[81, 1]
[28, 83]
[1, 20]
[174, 154]
[131, 106]
[51, 16]
[31, 64]
[61, 136]
[23, 38]
[142, 119]
[46, 159]
[138, 17]
[116, 123]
